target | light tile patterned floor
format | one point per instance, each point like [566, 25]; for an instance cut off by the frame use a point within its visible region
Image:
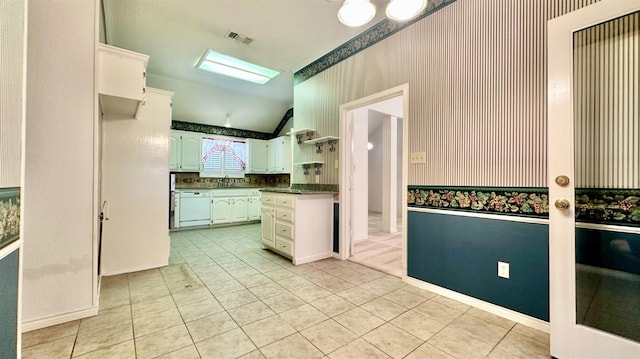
[224, 297]
[380, 250]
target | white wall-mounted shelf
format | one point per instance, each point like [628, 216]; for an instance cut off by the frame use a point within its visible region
[304, 130]
[322, 140]
[311, 164]
[319, 142]
[300, 133]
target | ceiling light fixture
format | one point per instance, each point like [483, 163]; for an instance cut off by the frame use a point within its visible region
[359, 12]
[230, 66]
[227, 124]
[403, 10]
[356, 12]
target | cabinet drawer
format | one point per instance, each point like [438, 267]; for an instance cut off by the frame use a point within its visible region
[268, 200]
[284, 230]
[285, 201]
[284, 214]
[284, 246]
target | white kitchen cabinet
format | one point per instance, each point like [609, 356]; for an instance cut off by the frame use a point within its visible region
[253, 206]
[298, 226]
[232, 205]
[267, 225]
[279, 155]
[257, 159]
[272, 156]
[121, 81]
[174, 151]
[185, 152]
[238, 209]
[220, 210]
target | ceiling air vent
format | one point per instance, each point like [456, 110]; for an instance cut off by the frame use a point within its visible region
[239, 38]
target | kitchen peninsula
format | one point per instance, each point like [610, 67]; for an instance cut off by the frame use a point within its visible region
[297, 223]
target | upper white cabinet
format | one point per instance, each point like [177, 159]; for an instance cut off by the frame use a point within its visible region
[257, 161]
[185, 151]
[121, 81]
[279, 155]
[272, 156]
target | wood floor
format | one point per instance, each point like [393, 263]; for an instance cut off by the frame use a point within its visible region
[382, 251]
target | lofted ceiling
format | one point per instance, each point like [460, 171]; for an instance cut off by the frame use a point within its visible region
[287, 35]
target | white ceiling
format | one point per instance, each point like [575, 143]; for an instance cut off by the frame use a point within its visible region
[287, 34]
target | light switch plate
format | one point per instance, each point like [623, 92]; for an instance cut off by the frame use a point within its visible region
[503, 270]
[418, 157]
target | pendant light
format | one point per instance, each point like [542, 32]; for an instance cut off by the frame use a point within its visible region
[403, 10]
[356, 12]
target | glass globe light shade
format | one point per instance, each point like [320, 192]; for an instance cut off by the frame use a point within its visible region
[356, 12]
[402, 10]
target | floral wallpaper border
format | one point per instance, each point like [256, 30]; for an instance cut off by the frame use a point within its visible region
[521, 201]
[9, 215]
[608, 206]
[370, 37]
[223, 131]
[593, 205]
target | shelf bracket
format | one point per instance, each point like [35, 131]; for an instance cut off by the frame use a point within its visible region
[309, 135]
[299, 138]
[306, 169]
[319, 147]
[317, 167]
[332, 145]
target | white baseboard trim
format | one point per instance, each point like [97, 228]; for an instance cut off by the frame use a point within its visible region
[315, 257]
[58, 319]
[480, 304]
[107, 272]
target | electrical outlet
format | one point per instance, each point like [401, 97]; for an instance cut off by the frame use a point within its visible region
[503, 270]
[418, 157]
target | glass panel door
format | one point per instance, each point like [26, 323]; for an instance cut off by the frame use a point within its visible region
[594, 183]
[607, 135]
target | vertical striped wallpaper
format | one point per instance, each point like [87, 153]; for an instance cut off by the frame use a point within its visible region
[11, 90]
[477, 81]
[607, 104]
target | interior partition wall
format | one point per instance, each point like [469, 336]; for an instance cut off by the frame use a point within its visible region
[477, 72]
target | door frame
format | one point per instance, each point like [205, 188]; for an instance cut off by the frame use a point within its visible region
[568, 339]
[347, 165]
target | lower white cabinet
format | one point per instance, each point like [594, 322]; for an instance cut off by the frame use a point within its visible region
[298, 226]
[254, 205]
[220, 210]
[234, 205]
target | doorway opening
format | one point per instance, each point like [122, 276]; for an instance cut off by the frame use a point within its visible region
[373, 176]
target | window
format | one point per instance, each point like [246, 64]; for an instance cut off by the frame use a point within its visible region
[223, 157]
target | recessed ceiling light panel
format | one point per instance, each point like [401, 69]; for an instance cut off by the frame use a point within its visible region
[230, 66]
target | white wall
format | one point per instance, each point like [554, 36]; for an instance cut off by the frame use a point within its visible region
[375, 170]
[360, 174]
[135, 182]
[11, 91]
[59, 272]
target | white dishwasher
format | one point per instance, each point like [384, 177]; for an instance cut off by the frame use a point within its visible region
[195, 208]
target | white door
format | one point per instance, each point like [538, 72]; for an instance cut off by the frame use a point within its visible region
[239, 209]
[267, 225]
[191, 152]
[174, 151]
[594, 249]
[221, 210]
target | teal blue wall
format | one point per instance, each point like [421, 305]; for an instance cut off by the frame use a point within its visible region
[461, 253]
[8, 305]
